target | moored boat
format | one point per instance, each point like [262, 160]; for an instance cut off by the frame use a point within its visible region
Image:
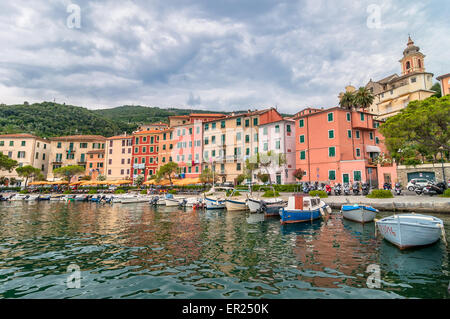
[272, 209]
[302, 209]
[359, 213]
[32, 197]
[254, 204]
[411, 230]
[235, 204]
[213, 203]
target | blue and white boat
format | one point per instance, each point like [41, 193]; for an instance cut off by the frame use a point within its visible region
[303, 209]
[213, 203]
[411, 230]
[359, 213]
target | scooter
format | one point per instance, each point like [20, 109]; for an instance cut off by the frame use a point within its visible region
[387, 186]
[355, 188]
[365, 189]
[398, 189]
[337, 189]
[346, 189]
[434, 189]
[306, 188]
[328, 189]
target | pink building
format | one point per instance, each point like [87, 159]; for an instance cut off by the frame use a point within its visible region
[279, 137]
[339, 146]
[187, 148]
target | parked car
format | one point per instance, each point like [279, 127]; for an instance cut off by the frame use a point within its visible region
[417, 182]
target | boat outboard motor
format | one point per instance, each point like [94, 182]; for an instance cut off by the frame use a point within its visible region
[183, 203]
[154, 200]
[398, 188]
[365, 188]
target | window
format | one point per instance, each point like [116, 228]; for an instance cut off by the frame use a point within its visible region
[413, 80]
[238, 121]
[330, 117]
[57, 146]
[238, 136]
[288, 128]
[213, 154]
[408, 65]
[332, 151]
[301, 123]
[152, 149]
[358, 152]
[213, 126]
[206, 126]
[362, 117]
[357, 176]
[206, 141]
[255, 121]
[348, 117]
[23, 143]
[136, 140]
[277, 129]
[247, 138]
[144, 139]
[302, 138]
[238, 166]
[303, 155]
[222, 124]
[247, 151]
[213, 139]
[331, 134]
[255, 137]
[371, 135]
[37, 155]
[349, 133]
[377, 140]
[2, 143]
[152, 140]
[332, 175]
[144, 149]
[277, 145]
[247, 122]
[357, 134]
[265, 132]
[21, 154]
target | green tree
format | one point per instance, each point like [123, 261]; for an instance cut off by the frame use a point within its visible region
[4, 180]
[101, 178]
[67, 172]
[437, 88]
[347, 101]
[363, 98]
[139, 180]
[6, 163]
[421, 125]
[207, 176]
[166, 171]
[27, 172]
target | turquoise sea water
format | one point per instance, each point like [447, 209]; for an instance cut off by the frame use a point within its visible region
[136, 251]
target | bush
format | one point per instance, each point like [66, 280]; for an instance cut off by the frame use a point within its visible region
[23, 191]
[446, 193]
[172, 191]
[380, 193]
[321, 194]
[271, 193]
[119, 191]
[143, 192]
[93, 191]
[67, 192]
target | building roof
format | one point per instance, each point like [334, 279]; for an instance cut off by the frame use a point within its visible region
[21, 135]
[207, 115]
[79, 138]
[145, 132]
[119, 137]
[441, 77]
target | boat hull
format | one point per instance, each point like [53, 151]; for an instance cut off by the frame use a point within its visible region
[214, 204]
[272, 211]
[234, 205]
[359, 214]
[408, 233]
[172, 202]
[253, 205]
[299, 216]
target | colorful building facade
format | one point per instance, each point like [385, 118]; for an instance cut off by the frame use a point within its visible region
[145, 151]
[341, 146]
[444, 80]
[118, 157]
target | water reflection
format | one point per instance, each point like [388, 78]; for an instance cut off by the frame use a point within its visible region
[136, 251]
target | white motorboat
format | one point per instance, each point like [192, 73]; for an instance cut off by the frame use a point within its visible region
[32, 197]
[214, 203]
[172, 201]
[254, 204]
[56, 198]
[131, 199]
[411, 230]
[19, 197]
[191, 201]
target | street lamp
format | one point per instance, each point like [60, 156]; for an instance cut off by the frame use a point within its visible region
[442, 162]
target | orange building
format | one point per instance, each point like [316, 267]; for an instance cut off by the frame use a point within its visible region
[118, 157]
[145, 153]
[165, 147]
[95, 163]
[340, 146]
[445, 83]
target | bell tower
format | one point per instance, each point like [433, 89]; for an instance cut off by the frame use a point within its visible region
[413, 59]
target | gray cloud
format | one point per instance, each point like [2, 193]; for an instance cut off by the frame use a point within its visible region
[233, 54]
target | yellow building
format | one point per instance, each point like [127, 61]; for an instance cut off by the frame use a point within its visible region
[72, 150]
[394, 92]
[26, 149]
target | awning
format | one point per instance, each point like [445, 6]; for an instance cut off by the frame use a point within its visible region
[372, 149]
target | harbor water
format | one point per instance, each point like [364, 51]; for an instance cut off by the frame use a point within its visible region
[137, 251]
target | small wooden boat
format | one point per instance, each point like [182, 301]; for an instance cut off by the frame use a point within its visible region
[235, 204]
[56, 198]
[303, 209]
[44, 197]
[411, 230]
[19, 197]
[213, 203]
[359, 213]
[171, 201]
[32, 197]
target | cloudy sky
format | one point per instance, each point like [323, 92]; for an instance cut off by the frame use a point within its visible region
[210, 54]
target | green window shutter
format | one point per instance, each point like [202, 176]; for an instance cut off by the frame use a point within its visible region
[357, 134]
[332, 151]
[330, 117]
[301, 123]
[332, 175]
[302, 138]
[357, 176]
[377, 140]
[349, 133]
[331, 134]
[302, 155]
[362, 117]
[348, 117]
